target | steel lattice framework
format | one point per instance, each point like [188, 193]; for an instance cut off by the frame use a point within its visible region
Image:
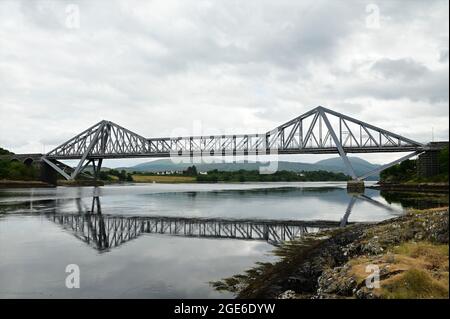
[319, 131]
[108, 231]
[105, 231]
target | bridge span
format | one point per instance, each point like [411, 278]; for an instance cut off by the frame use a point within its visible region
[318, 131]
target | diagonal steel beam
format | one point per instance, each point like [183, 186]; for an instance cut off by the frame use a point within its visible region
[291, 134]
[56, 168]
[94, 141]
[383, 167]
[344, 219]
[372, 127]
[351, 133]
[377, 203]
[75, 138]
[338, 144]
[370, 135]
[311, 127]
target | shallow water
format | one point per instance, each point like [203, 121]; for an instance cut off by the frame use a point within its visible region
[161, 240]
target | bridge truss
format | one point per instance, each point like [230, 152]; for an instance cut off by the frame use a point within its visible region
[319, 131]
[103, 231]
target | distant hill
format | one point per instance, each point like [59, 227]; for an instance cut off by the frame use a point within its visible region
[359, 165]
[332, 165]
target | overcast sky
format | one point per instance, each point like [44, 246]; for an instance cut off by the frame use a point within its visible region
[160, 67]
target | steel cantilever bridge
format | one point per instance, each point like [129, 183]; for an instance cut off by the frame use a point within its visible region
[319, 131]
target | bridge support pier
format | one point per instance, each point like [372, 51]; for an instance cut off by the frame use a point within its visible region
[355, 186]
[48, 174]
[97, 168]
[428, 164]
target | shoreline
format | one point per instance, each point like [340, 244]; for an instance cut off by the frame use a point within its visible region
[6, 184]
[394, 187]
[10, 184]
[411, 253]
[412, 187]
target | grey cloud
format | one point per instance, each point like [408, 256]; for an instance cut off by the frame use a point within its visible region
[155, 66]
[430, 86]
[443, 56]
[403, 69]
[391, 79]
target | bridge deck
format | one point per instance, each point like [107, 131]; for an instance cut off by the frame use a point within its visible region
[222, 153]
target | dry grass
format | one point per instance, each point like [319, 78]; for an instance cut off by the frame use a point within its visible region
[163, 179]
[415, 284]
[412, 270]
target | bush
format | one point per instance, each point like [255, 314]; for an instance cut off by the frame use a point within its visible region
[17, 171]
[5, 152]
[443, 161]
[122, 176]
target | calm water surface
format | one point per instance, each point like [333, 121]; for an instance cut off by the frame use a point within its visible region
[161, 240]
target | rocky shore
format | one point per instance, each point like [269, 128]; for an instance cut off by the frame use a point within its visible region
[409, 253]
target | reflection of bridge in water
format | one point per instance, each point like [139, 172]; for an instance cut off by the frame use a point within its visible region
[103, 231]
[107, 231]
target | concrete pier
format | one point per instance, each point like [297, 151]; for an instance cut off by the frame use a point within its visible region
[355, 186]
[48, 174]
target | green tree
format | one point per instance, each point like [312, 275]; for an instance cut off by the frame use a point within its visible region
[5, 152]
[443, 161]
[17, 171]
[191, 171]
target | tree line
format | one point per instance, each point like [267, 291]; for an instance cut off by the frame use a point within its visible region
[215, 176]
[17, 171]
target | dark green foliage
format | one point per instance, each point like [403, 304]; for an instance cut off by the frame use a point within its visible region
[407, 171]
[123, 176]
[17, 171]
[400, 172]
[190, 171]
[443, 161]
[5, 152]
[280, 176]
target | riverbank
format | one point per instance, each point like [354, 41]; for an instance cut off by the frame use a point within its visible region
[163, 179]
[39, 184]
[413, 187]
[411, 253]
[81, 183]
[23, 184]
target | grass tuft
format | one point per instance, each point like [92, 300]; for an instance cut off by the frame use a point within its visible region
[414, 284]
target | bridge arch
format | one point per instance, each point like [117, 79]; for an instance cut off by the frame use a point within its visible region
[28, 161]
